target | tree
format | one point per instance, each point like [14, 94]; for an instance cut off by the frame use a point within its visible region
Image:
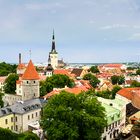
[94, 69]
[117, 79]
[55, 81]
[6, 69]
[121, 80]
[73, 117]
[6, 134]
[1, 101]
[114, 79]
[114, 91]
[138, 72]
[10, 84]
[94, 81]
[135, 84]
[88, 76]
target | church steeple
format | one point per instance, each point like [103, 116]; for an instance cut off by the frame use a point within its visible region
[53, 44]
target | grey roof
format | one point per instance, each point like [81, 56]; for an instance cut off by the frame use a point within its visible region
[22, 107]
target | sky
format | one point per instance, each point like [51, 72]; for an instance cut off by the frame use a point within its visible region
[87, 31]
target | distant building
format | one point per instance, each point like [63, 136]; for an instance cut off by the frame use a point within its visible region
[27, 87]
[17, 117]
[115, 115]
[49, 69]
[21, 67]
[53, 54]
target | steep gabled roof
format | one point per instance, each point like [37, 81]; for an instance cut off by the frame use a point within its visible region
[30, 72]
[77, 72]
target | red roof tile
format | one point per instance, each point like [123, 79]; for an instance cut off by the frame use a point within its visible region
[62, 71]
[127, 92]
[30, 72]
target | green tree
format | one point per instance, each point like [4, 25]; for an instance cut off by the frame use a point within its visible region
[117, 79]
[28, 136]
[1, 101]
[55, 81]
[135, 84]
[6, 134]
[114, 79]
[6, 69]
[94, 81]
[114, 91]
[138, 72]
[94, 69]
[73, 117]
[88, 76]
[121, 80]
[10, 84]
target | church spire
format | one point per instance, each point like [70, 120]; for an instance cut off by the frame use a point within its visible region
[53, 43]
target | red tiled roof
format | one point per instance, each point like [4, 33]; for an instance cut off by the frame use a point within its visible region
[30, 72]
[113, 65]
[127, 92]
[62, 71]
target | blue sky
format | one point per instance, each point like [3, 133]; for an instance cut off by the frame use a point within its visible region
[85, 30]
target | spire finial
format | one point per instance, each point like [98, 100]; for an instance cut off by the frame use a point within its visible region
[53, 34]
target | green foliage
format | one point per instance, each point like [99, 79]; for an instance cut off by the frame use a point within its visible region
[10, 84]
[88, 76]
[138, 72]
[108, 94]
[94, 69]
[55, 81]
[117, 80]
[6, 134]
[6, 69]
[73, 117]
[94, 82]
[135, 84]
[1, 101]
[131, 68]
[28, 136]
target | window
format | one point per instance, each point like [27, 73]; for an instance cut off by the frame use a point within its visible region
[36, 114]
[16, 119]
[32, 115]
[11, 127]
[34, 82]
[16, 127]
[6, 121]
[11, 119]
[27, 82]
[28, 117]
[104, 138]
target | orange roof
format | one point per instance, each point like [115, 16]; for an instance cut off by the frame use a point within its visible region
[113, 65]
[127, 92]
[61, 71]
[21, 66]
[30, 72]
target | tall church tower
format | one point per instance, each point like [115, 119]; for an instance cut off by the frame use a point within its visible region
[53, 54]
[30, 83]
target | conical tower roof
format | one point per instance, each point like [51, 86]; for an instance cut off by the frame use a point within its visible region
[30, 72]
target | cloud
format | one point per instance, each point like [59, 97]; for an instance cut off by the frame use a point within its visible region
[135, 37]
[114, 26]
[44, 6]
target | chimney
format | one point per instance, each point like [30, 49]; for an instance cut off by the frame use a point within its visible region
[19, 58]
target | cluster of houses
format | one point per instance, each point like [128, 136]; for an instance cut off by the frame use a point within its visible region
[22, 111]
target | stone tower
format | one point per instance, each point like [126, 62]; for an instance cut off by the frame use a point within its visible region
[53, 54]
[30, 83]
